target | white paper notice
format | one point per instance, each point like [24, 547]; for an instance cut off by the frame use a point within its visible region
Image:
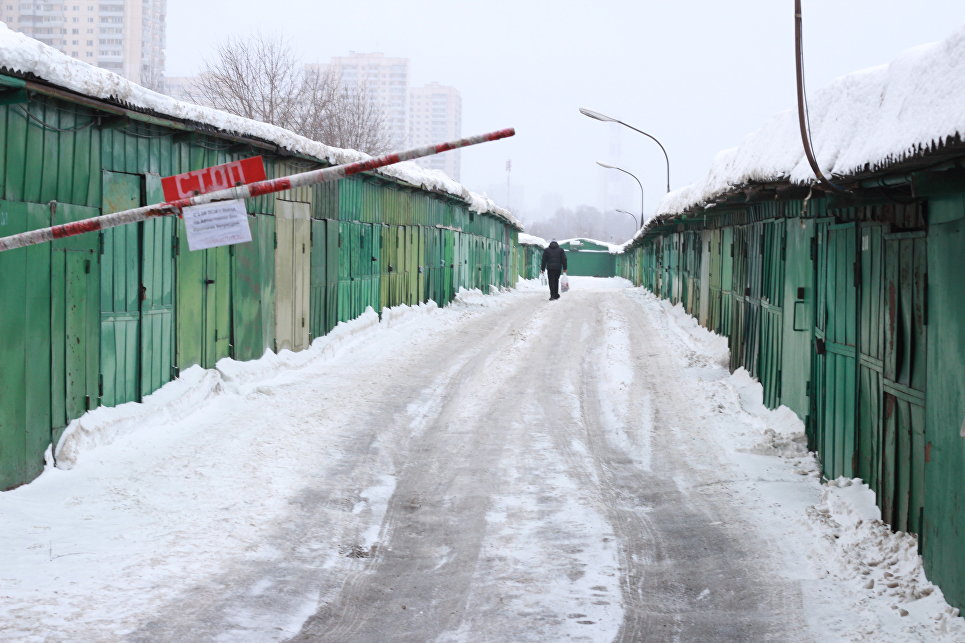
[216, 224]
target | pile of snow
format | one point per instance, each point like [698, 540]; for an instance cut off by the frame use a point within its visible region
[194, 386]
[868, 119]
[24, 55]
[841, 537]
[885, 564]
[171, 403]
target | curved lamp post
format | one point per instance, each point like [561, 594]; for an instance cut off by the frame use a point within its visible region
[634, 217]
[609, 119]
[620, 169]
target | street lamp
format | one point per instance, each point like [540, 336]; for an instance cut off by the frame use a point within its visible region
[634, 218]
[614, 167]
[609, 119]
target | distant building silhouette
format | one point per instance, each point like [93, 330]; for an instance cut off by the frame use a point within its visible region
[413, 115]
[435, 115]
[123, 36]
[385, 79]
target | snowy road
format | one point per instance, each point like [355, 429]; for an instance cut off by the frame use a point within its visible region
[537, 500]
[506, 469]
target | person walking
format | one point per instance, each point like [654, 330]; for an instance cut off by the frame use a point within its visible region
[554, 262]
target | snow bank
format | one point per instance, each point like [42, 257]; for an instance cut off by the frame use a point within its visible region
[180, 398]
[884, 564]
[841, 536]
[22, 54]
[173, 402]
[697, 338]
[865, 120]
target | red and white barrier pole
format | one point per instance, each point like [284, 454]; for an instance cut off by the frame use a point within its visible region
[241, 192]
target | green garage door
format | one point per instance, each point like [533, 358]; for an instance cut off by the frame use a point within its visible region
[835, 340]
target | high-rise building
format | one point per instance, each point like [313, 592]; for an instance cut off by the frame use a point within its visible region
[385, 80]
[435, 115]
[413, 116]
[123, 36]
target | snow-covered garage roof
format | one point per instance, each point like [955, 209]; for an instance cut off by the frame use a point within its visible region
[863, 121]
[530, 240]
[20, 54]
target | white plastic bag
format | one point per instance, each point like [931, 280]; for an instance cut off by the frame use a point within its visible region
[542, 278]
[564, 283]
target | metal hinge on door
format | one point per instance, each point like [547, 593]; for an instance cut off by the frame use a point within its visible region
[303, 322]
[100, 386]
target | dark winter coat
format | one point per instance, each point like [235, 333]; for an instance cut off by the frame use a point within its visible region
[554, 257]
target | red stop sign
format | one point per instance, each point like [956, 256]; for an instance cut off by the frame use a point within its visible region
[211, 179]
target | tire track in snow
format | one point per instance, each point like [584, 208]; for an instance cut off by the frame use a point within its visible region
[417, 580]
[277, 584]
[694, 570]
[549, 569]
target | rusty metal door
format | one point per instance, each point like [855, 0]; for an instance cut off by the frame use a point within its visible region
[903, 457]
[835, 347]
[871, 358]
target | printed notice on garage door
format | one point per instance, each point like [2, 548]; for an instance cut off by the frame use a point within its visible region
[216, 224]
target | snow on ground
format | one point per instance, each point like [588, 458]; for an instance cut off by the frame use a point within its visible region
[849, 556]
[151, 502]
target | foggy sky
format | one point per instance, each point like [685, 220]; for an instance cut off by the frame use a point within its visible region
[699, 75]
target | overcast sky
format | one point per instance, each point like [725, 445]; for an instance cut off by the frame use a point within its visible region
[697, 74]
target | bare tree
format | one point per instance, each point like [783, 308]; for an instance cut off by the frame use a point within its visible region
[256, 78]
[260, 78]
[342, 116]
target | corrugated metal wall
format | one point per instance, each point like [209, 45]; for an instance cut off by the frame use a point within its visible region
[120, 312]
[587, 263]
[944, 516]
[836, 311]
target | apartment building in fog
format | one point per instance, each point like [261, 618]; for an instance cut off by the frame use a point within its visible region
[435, 115]
[413, 115]
[123, 36]
[386, 81]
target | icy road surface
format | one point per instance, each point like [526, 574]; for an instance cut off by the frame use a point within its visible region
[506, 469]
